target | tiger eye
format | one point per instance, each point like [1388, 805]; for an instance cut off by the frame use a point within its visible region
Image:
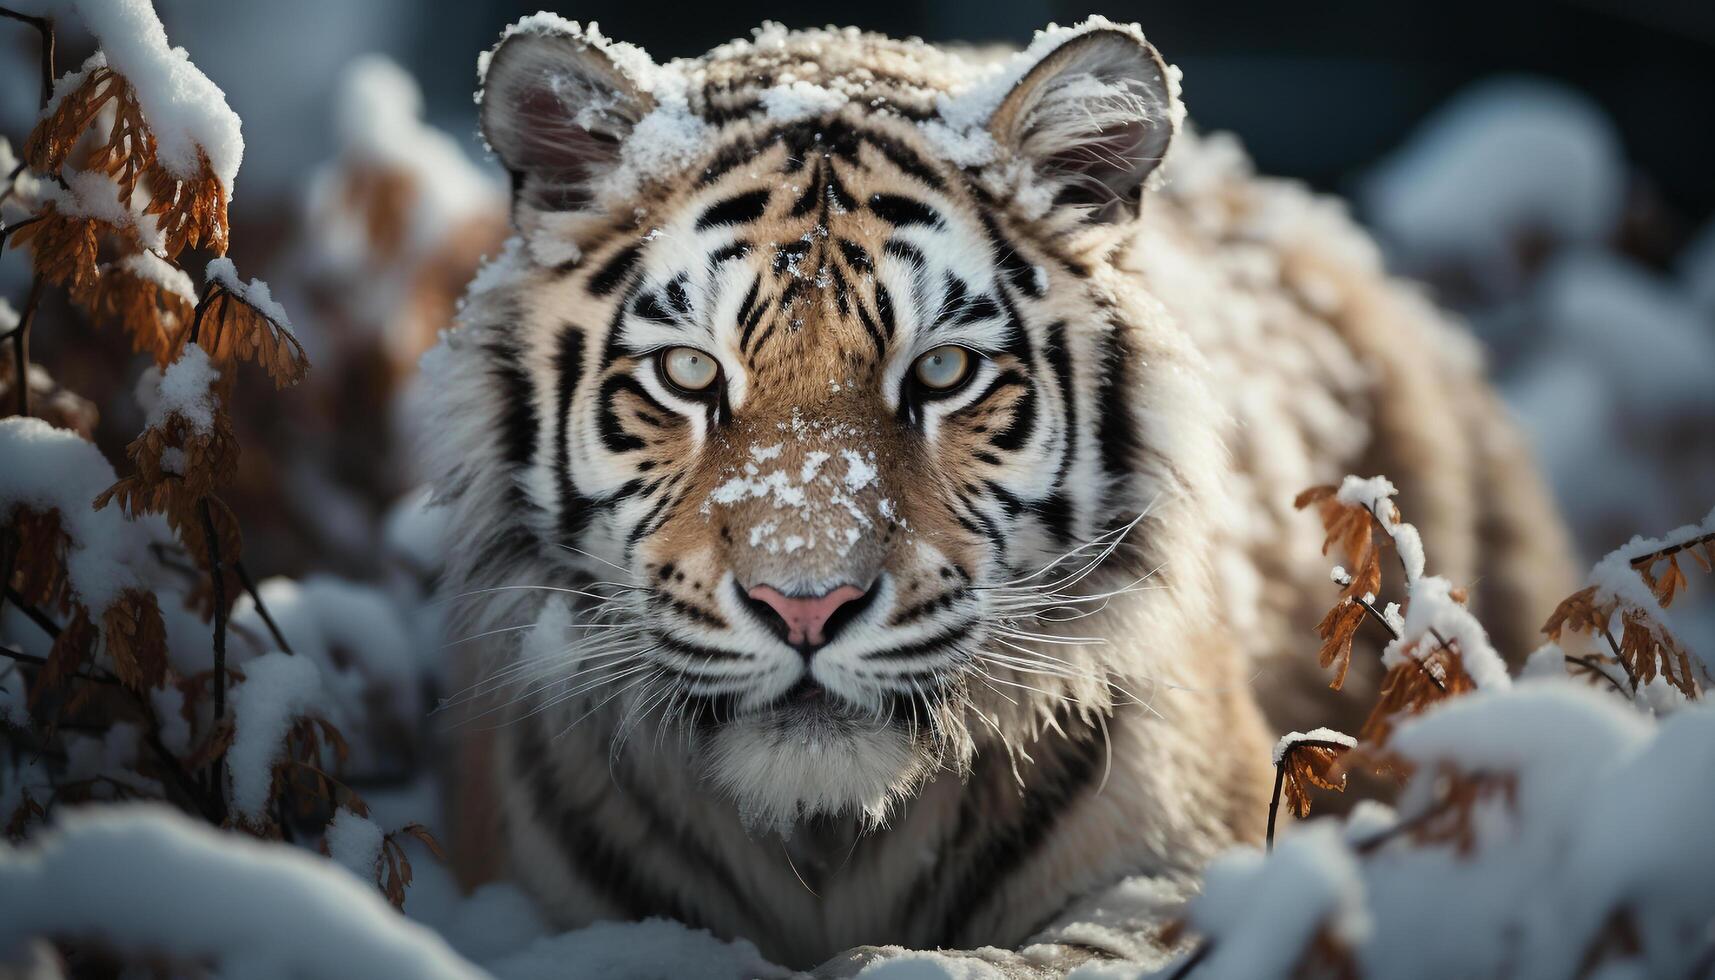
[944, 367]
[689, 368]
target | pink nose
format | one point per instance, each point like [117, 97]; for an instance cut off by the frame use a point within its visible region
[806, 618]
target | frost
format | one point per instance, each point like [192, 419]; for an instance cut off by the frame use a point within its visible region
[54, 469]
[1290, 739]
[793, 101]
[277, 690]
[186, 389]
[186, 112]
[354, 842]
[170, 278]
[860, 472]
[255, 292]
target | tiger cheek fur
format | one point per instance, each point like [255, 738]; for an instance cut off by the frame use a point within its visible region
[835, 480]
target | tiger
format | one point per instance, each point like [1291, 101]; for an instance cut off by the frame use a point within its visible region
[868, 477]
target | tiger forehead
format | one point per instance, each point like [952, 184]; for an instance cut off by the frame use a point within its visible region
[787, 252]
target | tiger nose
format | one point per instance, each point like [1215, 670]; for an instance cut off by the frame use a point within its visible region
[806, 618]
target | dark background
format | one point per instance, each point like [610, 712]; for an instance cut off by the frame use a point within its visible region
[1317, 90]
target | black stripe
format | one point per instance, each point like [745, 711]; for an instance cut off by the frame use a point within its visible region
[856, 255]
[737, 250]
[1117, 432]
[518, 425]
[1018, 271]
[615, 270]
[812, 195]
[608, 425]
[884, 309]
[904, 158]
[736, 210]
[954, 301]
[981, 308]
[904, 250]
[1064, 769]
[939, 643]
[903, 211]
[568, 371]
[870, 327]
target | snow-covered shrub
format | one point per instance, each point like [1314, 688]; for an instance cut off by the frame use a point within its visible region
[1548, 826]
[130, 666]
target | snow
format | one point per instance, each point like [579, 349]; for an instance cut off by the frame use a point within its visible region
[1433, 616]
[1256, 908]
[54, 469]
[185, 389]
[146, 878]
[800, 100]
[1507, 158]
[1290, 739]
[278, 689]
[185, 110]
[91, 194]
[170, 278]
[354, 843]
[255, 292]
[1375, 495]
[1553, 859]
[352, 632]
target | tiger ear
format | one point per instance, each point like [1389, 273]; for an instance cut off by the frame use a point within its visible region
[556, 108]
[1094, 118]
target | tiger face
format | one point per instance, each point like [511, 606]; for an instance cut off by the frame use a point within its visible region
[814, 404]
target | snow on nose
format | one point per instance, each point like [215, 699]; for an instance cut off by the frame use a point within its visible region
[806, 617]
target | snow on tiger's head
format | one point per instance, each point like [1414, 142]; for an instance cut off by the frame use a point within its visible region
[807, 373]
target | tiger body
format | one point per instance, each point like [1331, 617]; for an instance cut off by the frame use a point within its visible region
[667, 720]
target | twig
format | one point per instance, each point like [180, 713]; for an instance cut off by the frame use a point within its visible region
[1589, 663]
[36, 616]
[7, 231]
[1644, 561]
[11, 653]
[45, 27]
[217, 577]
[21, 344]
[212, 806]
[261, 607]
[1274, 801]
[1193, 961]
[1280, 778]
[1370, 607]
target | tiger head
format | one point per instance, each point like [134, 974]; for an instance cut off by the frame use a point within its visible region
[807, 399]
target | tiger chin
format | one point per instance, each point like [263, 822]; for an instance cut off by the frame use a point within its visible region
[868, 474]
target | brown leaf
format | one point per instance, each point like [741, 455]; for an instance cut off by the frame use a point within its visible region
[191, 211]
[232, 330]
[1412, 685]
[1310, 763]
[1337, 630]
[136, 639]
[71, 650]
[156, 319]
[1577, 612]
[39, 555]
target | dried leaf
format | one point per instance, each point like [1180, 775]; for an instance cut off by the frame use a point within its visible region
[64, 248]
[136, 639]
[1577, 612]
[1412, 685]
[39, 556]
[1309, 763]
[1337, 630]
[232, 330]
[191, 211]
